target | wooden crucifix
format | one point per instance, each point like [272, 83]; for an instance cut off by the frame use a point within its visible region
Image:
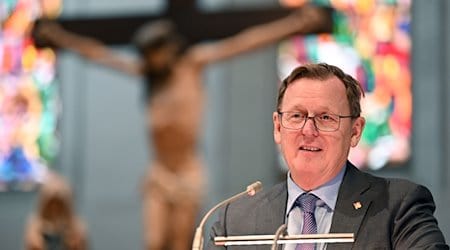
[192, 23]
[173, 188]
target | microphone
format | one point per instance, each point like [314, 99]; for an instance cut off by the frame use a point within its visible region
[251, 190]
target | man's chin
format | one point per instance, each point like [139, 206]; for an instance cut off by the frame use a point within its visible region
[307, 172]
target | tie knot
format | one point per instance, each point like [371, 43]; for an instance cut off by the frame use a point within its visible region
[307, 202]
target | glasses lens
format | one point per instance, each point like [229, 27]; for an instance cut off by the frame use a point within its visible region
[327, 122]
[293, 120]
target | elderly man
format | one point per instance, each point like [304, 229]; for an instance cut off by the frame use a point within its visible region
[316, 122]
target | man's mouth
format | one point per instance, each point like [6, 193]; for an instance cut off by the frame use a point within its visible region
[310, 149]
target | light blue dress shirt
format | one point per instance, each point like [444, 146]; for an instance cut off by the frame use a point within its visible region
[327, 193]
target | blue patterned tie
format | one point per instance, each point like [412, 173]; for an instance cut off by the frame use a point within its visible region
[307, 202]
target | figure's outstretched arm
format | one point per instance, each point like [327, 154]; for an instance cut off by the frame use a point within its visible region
[49, 33]
[307, 19]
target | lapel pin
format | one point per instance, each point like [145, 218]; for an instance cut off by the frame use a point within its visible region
[357, 205]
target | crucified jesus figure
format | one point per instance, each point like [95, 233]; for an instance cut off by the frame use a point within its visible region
[172, 189]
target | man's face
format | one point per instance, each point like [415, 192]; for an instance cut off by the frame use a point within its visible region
[315, 157]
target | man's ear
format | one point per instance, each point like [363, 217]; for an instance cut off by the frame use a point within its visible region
[357, 129]
[276, 127]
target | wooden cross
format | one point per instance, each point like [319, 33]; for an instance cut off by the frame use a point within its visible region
[193, 24]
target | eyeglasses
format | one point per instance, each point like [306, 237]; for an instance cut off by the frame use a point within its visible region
[323, 122]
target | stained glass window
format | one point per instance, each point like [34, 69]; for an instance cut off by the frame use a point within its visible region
[371, 41]
[28, 96]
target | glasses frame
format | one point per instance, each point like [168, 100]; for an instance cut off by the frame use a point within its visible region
[280, 113]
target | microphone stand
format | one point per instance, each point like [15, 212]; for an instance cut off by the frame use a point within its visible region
[251, 190]
[280, 232]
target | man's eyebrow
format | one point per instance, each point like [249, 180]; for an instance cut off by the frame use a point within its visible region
[317, 109]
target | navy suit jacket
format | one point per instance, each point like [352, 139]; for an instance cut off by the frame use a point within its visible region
[394, 214]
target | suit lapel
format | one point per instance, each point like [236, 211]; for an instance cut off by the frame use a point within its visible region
[351, 205]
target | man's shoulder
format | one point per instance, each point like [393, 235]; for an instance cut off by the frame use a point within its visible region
[258, 214]
[278, 191]
[263, 198]
[395, 187]
[403, 188]
[393, 183]
[387, 181]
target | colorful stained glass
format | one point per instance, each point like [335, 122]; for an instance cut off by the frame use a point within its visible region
[371, 41]
[28, 96]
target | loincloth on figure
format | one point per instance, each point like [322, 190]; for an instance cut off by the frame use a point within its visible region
[188, 184]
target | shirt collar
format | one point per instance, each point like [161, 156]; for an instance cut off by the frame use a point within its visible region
[327, 192]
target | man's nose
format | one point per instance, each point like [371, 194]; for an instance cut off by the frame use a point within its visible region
[310, 127]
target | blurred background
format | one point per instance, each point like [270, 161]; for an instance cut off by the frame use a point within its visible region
[88, 122]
